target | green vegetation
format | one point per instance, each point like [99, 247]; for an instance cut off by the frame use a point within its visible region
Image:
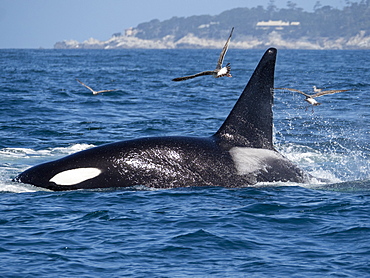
[291, 27]
[325, 21]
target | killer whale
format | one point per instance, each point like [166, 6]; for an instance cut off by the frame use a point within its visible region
[240, 153]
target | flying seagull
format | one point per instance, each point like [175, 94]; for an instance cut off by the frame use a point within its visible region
[311, 98]
[219, 71]
[93, 91]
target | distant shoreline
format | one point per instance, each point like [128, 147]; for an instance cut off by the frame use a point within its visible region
[359, 41]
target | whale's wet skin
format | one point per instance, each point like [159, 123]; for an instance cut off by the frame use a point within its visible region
[240, 153]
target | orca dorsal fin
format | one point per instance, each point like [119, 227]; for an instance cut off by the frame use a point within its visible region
[249, 123]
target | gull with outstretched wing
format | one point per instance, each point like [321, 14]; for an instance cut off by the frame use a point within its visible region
[93, 91]
[219, 71]
[311, 98]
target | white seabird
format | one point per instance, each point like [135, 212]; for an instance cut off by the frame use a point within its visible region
[219, 71]
[316, 90]
[311, 98]
[93, 91]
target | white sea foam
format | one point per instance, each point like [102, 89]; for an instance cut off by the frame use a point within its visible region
[25, 152]
[7, 173]
[329, 166]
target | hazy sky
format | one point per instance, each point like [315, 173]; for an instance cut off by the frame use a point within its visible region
[41, 23]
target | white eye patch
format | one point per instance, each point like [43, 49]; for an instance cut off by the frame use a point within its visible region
[75, 176]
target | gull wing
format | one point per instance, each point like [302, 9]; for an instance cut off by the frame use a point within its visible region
[105, 91]
[83, 84]
[293, 90]
[224, 50]
[328, 92]
[208, 72]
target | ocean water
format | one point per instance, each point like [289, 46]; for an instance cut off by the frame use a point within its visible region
[269, 230]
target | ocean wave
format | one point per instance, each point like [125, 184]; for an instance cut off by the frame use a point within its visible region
[27, 152]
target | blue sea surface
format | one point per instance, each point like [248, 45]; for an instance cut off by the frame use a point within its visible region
[268, 230]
